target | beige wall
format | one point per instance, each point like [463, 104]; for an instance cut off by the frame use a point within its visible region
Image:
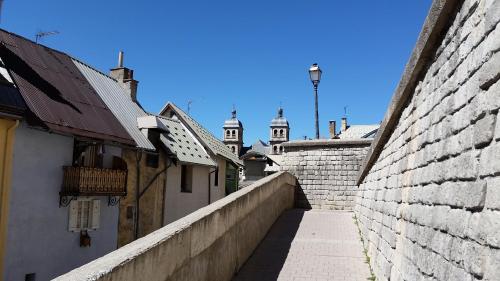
[179, 204]
[218, 192]
[209, 244]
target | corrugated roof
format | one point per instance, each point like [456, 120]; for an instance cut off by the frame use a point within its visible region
[57, 93]
[359, 132]
[216, 146]
[181, 143]
[118, 101]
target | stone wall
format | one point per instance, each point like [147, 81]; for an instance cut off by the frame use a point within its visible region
[211, 243]
[151, 203]
[428, 204]
[326, 171]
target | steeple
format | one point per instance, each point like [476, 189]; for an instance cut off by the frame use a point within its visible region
[233, 133]
[280, 132]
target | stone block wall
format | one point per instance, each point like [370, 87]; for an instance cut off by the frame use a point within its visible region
[429, 205]
[326, 171]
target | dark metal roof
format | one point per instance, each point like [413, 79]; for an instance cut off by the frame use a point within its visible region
[57, 93]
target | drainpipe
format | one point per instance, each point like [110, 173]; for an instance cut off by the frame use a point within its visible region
[138, 157]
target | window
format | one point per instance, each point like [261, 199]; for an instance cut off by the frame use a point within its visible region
[275, 148]
[275, 132]
[152, 159]
[84, 214]
[281, 149]
[228, 133]
[281, 132]
[30, 277]
[233, 133]
[233, 149]
[186, 178]
[216, 179]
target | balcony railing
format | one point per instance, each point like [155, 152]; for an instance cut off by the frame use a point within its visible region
[94, 181]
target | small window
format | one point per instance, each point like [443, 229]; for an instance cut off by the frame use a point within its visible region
[281, 132]
[233, 149]
[186, 178]
[281, 149]
[275, 132]
[84, 214]
[275, 148]
[233, 133]
[216, 179]
[228, 133]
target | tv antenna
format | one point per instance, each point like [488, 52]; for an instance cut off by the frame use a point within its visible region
[189, 105]
[40, 34]
[345, 111]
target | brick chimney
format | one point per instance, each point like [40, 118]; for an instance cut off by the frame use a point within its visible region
[125, 78]
[343, 124]
[332, 127]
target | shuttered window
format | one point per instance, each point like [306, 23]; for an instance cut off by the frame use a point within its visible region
[84, 214]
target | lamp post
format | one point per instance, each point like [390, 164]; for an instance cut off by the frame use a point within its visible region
[315, 76]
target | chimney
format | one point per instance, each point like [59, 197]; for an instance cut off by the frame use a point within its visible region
[343, 124]
[332, 126]
[125, 78]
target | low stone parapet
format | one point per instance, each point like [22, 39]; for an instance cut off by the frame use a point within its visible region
[209, 244]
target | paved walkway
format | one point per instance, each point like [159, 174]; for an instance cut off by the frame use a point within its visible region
[309, 245]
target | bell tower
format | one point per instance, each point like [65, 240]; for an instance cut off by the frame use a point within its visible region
[233, 134]
[280, 132]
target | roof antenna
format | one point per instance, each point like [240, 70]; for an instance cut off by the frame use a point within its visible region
[189, 105]
[345, 111]
[40, 34]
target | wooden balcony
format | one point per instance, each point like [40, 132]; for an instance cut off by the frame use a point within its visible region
[87, 181]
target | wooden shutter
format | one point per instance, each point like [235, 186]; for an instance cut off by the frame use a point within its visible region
[96, 212]
[73, 216]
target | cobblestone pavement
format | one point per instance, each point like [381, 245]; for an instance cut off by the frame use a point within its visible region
[313, 245]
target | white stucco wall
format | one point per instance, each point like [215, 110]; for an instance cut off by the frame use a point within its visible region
[218, 192]
[177, 203]
[38, 240]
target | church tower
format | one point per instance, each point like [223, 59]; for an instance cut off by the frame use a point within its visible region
[280, 132]
[233, 134]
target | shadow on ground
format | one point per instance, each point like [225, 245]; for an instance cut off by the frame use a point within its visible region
[268, 259]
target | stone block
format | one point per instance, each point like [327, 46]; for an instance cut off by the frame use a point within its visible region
[457, 222]
[483, 130]
[490, 160]
[493, 193]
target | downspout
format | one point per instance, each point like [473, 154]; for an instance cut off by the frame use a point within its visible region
[164, 192]
[138, 157]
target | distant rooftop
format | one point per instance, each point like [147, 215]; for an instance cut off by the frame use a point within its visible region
[360, 132]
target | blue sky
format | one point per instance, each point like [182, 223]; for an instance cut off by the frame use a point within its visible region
[253, 54]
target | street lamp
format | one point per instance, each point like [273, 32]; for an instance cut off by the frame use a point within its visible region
[315, 76]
